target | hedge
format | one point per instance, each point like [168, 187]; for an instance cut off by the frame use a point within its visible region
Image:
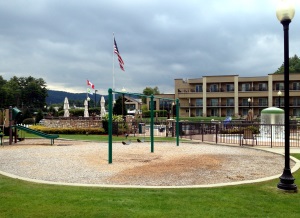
[71, 130]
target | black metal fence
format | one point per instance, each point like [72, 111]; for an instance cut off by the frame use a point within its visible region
[241, 133]
[234, 132]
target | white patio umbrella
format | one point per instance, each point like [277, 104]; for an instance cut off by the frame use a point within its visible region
[66, 107]
[250, 115]
[86, 111]
[102, 110]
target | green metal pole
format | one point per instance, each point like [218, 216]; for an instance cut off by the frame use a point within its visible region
[177, 122]
[110, 109]
[152, 122]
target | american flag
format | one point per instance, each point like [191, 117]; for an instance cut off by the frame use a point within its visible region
[116, 51]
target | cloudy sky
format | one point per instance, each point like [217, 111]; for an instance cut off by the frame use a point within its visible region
[67, 42]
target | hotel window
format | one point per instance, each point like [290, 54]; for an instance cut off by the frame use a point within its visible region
[245, 87]
[214, 88]
[199, 112]
[262, 87]
[229, 88]
[214, 112]
[279, 86]
[198, 88]
[296, 86]
[199, 102]
[296, 112]
[263, 102]
[296, 101]
[245, 102]
[229, 112]
[229, 102]
[214, 102]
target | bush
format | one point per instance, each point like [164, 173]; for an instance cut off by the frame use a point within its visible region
[160, 113]
[254, 129]
[28, 121]
[91, 130]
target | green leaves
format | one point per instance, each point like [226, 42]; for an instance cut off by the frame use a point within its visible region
[294, 65]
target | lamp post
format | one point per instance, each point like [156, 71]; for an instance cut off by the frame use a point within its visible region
[285, 13]
[88, 102]
[249, 102]
[95, 97]
[279, 94]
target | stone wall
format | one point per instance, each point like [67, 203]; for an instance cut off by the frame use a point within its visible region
[72, 122]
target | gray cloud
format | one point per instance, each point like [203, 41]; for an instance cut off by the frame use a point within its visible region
[67, 42]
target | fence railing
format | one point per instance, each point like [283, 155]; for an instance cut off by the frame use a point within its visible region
[271, 135]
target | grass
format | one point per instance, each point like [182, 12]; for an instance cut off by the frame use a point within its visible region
[25, 199]
[103, 138]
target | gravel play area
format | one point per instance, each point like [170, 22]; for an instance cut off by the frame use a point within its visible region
[134, 164]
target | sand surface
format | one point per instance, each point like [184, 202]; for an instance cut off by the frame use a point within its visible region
[135, 164]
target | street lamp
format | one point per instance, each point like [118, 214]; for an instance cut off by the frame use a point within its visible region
[95, 98]
[249, 102]
[88, 102]
[279, 94]
[285, 13]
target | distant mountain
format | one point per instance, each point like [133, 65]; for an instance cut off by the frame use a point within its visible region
[58, 97]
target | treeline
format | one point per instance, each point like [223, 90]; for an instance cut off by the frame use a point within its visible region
[23, 92]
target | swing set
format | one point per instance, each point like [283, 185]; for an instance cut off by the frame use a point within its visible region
[110, 109]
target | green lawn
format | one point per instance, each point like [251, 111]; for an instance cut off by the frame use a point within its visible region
[25, 199]
[103, 138]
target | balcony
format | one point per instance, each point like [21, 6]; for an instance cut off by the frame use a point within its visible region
[188, 91]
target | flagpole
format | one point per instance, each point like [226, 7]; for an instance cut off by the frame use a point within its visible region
[114, 99]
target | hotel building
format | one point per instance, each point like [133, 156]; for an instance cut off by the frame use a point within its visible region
[231, 95]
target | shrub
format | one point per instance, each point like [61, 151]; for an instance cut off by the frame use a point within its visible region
[71, 130]
[254, 129]
[160, 113]
[28, 121]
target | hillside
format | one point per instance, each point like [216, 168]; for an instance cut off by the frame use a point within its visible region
[57, 97]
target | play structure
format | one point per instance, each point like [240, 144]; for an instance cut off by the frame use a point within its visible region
[10, 127]
[110, 122]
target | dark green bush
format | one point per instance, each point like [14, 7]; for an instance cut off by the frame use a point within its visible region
[160, 113]
[254, 129]
[28, 121]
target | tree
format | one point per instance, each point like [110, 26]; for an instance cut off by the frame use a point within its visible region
[23, 91]
[117, 110]
[294, 65]
[150, 91]
[39, 116]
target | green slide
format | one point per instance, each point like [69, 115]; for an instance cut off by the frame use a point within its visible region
[39, 133]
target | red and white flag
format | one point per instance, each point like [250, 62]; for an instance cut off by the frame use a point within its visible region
[116, 51]
[90, 84]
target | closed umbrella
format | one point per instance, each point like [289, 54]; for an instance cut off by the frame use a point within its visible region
[102, 111]
[66, 107]
[86, 111]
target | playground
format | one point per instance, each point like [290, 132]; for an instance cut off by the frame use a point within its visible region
[85, 163]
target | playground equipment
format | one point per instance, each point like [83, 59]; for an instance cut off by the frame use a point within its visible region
[38, 133]
[9, 119]
[11, 127]
[110, 109]
[126, 143]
